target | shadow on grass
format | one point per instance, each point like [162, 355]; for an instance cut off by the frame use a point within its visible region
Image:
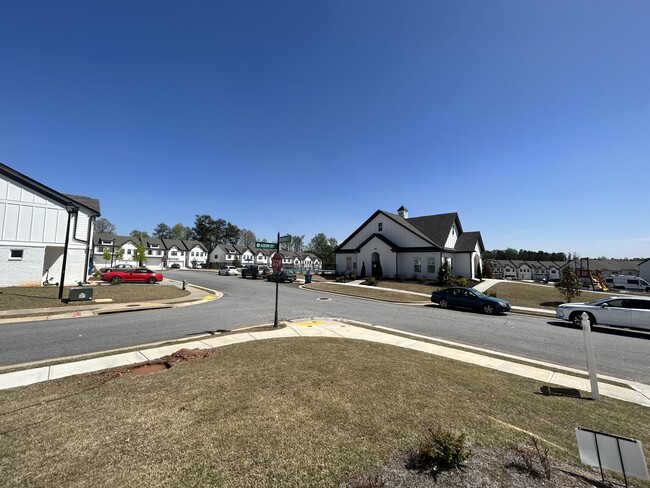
[563, 392]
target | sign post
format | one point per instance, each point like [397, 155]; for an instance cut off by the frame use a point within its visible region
[276, 264]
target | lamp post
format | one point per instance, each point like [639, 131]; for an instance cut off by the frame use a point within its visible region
[71, 209]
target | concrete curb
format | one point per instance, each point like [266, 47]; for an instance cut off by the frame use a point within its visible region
[636, 393]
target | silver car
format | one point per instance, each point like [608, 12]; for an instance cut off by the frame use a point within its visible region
[619, 311]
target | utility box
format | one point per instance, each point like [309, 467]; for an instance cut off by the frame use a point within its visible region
[80, 294]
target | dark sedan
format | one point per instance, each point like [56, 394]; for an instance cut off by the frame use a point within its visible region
[283, 276]
[461, 297]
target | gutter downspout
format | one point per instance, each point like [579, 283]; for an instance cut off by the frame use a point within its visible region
[92, 223]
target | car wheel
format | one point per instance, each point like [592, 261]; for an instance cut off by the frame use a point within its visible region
[488, 309]
[151, 280]
[443, 303]
[116, 280]
[576, 318]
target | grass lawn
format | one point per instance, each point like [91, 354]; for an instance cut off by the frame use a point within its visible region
[538, 296]
[280, 413]
[367, 292]
[16, 298]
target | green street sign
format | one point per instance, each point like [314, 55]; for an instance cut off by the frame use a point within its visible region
[265, 245]
[285, 239]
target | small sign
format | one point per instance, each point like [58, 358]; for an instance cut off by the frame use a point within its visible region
[284, 239]
[265, 245]
[612, 452]
[276, 262]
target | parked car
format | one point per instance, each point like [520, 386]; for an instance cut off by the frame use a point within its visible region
[616, 311]
[175, 265]
[121, 267]
[228, 271]
[255, 271]
[461, 297]
[135, 275]
[282, 275]
[625, 282]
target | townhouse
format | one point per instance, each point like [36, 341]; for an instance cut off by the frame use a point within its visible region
[44, 234]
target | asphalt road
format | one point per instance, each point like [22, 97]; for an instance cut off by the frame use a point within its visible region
[248, 302]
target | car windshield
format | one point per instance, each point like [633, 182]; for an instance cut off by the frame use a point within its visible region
[599, 302]
[479, 294]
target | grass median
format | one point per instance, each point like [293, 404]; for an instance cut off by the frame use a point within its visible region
[279, 413]
[371, 292]
[17, 298]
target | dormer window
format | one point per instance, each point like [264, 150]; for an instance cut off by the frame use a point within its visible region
[380, 227]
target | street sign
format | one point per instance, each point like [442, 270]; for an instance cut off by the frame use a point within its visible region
[266, 245]
[284, 239]
[276, 262]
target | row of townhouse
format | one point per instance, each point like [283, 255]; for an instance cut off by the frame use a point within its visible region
[227, 254]
[160, 253]
[517, 269]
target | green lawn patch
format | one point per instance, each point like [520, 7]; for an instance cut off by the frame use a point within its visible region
[279, 413]
[537, 296]
[17, 298]
[372, 292]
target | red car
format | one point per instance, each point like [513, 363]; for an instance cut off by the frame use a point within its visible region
[137, 275]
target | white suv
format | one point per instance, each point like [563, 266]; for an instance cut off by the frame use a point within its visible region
[228, 271]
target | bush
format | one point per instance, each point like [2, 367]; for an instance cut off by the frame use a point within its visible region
[459, 281]
[438, 450]
[492, 294]
[371, 281]
[535, 458]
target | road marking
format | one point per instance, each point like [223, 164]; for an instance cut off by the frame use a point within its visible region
[208, 297]
[309, 324]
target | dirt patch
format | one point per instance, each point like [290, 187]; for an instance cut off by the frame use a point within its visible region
[485, 468]
[181, 356]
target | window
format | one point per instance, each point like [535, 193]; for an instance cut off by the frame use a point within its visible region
[128, 251]
[380, 226]
[417, 265]
[100, 249]
[16, 254]
[431, 265]
[173, 253]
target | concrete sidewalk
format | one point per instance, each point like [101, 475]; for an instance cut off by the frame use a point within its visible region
[547, 374]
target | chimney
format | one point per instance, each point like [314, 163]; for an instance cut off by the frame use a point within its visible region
[403, 212]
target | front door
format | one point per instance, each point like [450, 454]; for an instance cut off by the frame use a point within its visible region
[376, 265]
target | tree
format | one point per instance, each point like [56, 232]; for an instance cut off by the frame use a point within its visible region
[231, 233]
[247, 238]
[162, 231]
[205, 231]
[106, 255]
[297, 243]
[139, 234]
[324, 248]
[140, 254]
[118, 255]
[104, 226]
[569, 285]
[179, 231]
[445, 273]
[487, 270]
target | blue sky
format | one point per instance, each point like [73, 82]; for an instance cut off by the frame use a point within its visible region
[529, 119]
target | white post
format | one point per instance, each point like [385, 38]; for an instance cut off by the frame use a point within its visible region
[591, 358]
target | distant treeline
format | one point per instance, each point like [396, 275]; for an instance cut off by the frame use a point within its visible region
[525, 255]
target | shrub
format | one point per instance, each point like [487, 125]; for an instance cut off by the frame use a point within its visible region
[371, 281]
[438, 450]
[535, 458]
[462, 281]
[492, 294]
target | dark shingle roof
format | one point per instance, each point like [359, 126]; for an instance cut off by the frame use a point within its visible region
[436, 227]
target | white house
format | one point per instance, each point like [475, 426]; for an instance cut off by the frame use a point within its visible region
[644, 270]
[40, 229]
[396, 245]
[196, 253]
[112, 244]
[155, 252]
[176, 252]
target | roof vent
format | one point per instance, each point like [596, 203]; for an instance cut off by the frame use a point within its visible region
[403, 212]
